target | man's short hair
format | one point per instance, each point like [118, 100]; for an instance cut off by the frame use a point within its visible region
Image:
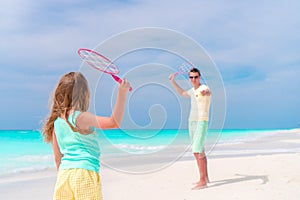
[195, 70]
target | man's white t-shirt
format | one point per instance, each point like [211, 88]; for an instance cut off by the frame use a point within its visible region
[199, 104]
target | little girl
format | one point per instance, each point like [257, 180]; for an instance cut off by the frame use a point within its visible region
[71, 130]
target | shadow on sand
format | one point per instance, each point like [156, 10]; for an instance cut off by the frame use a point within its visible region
[264, 179]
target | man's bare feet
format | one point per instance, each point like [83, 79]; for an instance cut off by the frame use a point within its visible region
[198, 182]
[200, 185]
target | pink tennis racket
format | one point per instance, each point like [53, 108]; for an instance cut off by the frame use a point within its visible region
[184, 68]
[100, 62]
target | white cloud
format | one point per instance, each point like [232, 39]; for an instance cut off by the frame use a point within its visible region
[43, 37]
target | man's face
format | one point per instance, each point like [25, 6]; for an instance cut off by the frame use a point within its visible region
[194, 78]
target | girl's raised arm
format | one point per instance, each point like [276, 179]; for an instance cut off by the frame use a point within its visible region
[86, 120]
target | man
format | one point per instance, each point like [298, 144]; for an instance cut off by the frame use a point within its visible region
[198, 120]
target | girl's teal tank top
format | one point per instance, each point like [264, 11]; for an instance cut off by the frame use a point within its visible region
[79, 150]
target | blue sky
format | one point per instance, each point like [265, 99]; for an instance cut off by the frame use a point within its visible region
[255, 46]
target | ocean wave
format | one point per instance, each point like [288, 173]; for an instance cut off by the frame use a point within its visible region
[13, 164]
[296, 130]
[243, 152]
[35, 158]
[247, 136]
[136, 148]
[27, 170]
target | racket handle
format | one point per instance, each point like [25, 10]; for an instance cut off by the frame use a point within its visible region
[175, 74]
[119, 81]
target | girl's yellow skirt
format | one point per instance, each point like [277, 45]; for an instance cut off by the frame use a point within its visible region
[78, 184]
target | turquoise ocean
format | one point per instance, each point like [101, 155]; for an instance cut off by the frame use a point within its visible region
[24, 150]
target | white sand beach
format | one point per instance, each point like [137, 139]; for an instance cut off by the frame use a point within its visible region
[253, 177]
[263, 176]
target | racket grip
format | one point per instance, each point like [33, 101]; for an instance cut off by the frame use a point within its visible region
[175, 74]
[119, 81]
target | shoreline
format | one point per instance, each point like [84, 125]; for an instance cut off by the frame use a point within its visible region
[245, 177]
[51, 172]
[276, 143]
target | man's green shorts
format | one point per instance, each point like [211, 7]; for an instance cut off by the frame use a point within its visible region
[197, 131]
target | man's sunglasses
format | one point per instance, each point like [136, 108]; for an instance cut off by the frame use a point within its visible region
[195, 77]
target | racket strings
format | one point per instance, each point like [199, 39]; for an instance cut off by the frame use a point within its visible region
[99, 62]
[185, 68]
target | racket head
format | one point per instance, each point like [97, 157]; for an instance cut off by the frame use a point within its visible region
[184, 68]
[97, 61]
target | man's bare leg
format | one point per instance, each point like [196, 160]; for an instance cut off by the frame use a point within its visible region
[202, 168]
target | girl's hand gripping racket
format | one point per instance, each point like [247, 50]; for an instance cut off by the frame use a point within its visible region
[100, 62]
[184, 68]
